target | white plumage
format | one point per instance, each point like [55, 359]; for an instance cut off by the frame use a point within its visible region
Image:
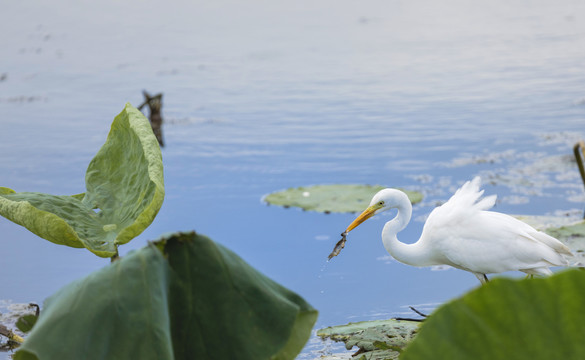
[463, 233]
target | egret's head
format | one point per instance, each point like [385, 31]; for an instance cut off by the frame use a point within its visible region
[385, 199]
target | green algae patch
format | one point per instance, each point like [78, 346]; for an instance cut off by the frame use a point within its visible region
[378, 339]
[337, 198]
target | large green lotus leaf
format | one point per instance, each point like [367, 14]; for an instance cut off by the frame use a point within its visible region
[225, 309]
[509, 319]
[125, 190]
[339, 198]
[118, 312]
[183, 297]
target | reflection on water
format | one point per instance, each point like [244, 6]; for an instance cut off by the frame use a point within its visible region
[264, 96]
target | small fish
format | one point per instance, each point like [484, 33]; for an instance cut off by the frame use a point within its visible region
[340, 245]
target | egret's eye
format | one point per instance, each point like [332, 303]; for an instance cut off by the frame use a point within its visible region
[381, 203]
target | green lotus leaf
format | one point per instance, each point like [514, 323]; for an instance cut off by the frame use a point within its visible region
[528, 319]
[26, 322]
[125, 190]
[184, 297]
[339, 198]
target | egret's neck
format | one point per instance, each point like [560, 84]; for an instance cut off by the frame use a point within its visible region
[401, 219]
[410, 254]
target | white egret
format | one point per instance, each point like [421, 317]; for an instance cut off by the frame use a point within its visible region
[462, 233]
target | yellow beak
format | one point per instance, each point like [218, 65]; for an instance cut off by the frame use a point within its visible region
[368, 213]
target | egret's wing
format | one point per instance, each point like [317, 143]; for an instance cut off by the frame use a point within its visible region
[462, 233]
[462, 206]
[494, 242]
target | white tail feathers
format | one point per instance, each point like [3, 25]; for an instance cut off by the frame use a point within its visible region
[551, 242]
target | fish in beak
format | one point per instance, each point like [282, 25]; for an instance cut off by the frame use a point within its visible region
[365, 215]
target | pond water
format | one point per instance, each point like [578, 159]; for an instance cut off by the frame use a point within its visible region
[261, 96]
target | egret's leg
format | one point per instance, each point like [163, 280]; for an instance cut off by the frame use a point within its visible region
[542, 271]
[481, 277]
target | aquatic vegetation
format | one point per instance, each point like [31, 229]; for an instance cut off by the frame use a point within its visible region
[181, 297]
[508, 319]
[530, 174]
[125, 190]
[16, 319]
[378, 339]
[336, 198]
[500, 320]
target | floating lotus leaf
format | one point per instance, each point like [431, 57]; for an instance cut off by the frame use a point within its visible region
[183, 297]
[378, 339]
[125, 190]
[26, 322]
[528, 319]
[331, 198]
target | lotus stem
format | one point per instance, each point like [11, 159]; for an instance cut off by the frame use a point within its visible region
[578, 151]
[115, 256]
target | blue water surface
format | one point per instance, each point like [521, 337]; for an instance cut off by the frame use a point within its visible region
[262, 96]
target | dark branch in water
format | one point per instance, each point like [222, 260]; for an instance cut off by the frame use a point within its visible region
[154, 103]
[416, 311]
[37, 308]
